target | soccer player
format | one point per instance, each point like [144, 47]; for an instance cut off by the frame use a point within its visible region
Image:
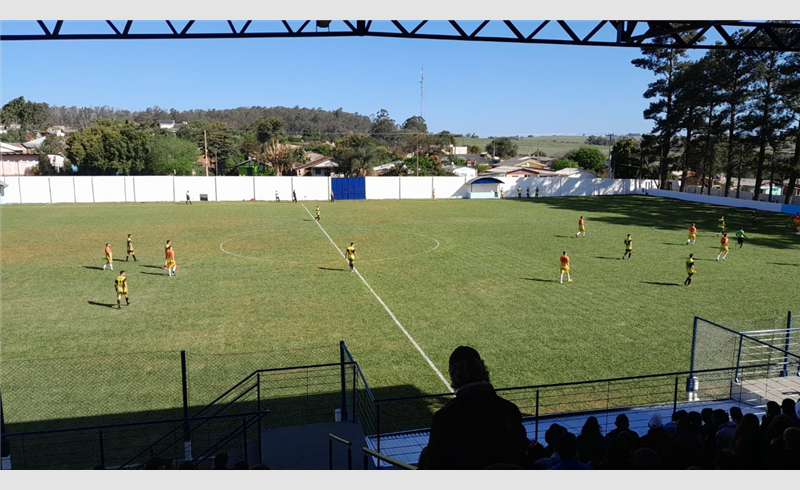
[723, 246]
[581, 228]
[130, 253]
[332, 200]
[528, 192]
[294, 196]
[188, 199]
[166, 250]
[628, 247]
[501, 193]
[109, 258]
[172, 267]
[519, 192]
[740, 236]
[753, 216]
[537, 192]
[317, 218]
[433, 194]
[121, 287]
[692, 234]
[351, 255]
[721, 225]
[689, 270]
[565, 267]
[277, 197]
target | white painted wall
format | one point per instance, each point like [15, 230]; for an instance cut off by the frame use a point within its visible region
[383, 187]
[266, 187]
[84, 191]
[153, 189]
[34, 190]
[235, 188]
[722, 201]
[62, 189]
[449, 187]
[109, 189]
[311, 188]
[11, 192]
[195, 186]
[416, 187]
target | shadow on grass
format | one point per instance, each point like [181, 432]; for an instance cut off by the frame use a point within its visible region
[153, 266]
[332, 269]
[308, 219]
[672, 214]
[660, 283]
[152, 273]
[607, 258]
[674, 244]
[564, 236]
[783, 263]
[537, 280]
[92, 267]
[107, 305]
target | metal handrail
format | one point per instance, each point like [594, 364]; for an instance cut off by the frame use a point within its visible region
[369, 452]
[229, 437]
[331, 438]
[578, 383]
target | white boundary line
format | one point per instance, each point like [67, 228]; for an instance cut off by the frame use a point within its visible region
[414, 342]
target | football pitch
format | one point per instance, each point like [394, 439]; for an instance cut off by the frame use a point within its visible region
[267, 286]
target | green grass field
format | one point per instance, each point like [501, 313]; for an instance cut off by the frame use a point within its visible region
[553, 146]
[260, 285]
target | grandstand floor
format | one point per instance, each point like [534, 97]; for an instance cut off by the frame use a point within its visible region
[406, 446]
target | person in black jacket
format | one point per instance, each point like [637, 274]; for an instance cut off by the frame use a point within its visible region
[477, 428]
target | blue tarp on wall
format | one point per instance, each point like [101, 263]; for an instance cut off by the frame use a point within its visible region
[349, 188]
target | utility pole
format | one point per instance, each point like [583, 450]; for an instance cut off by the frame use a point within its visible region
[417, 135]
[205, 147]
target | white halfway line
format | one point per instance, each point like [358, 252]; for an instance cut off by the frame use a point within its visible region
[414, 342]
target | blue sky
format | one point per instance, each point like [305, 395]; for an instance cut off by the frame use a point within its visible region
[479, 87]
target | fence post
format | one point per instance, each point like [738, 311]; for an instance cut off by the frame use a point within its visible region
[344, 380]
[244, 438]
[187, 441]
[536, 431]
[355, 411]
[675, 397]
[258, 409]
[378, 424]
[102, 451]
[738, 359]
[785, 372]
[691, 381]
[5, 447]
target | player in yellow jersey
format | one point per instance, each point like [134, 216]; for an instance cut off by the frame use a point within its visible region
[109, 258]
[723, 246]
[317, 218]
[130, 253]
[121, 287]
[166, 249]
[519, 192]
[692, 234]
[628, 247]
[171, 266]
[581, 228]
[565, 267]
[351, 255]
[721, 225]
[501, 193]
[690, 270]
[528, 192]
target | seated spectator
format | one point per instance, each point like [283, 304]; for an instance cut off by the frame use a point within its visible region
[788, 407]
[725, 429]
[260, 467]
[221, 461]
[777, 447]
[725, 460]
[623, 425]
[708, 430]
[567, 450]
[620, 453]
[772, 411]
[672, 426]
[186, 465]
[551, 437]
[736, 414]
[646, 459]
[589, 437]
[241, 465]
[156, 463]
[750, 444]
[477, 428]
[791, 444]
[689, 443]
[659, 441]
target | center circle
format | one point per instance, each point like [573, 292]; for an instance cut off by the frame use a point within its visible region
[310, 246]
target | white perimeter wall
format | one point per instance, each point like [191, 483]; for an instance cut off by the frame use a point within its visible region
[63, 189]
[724, 201]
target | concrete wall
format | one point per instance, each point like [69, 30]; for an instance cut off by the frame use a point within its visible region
[727, 201]
[64, 189]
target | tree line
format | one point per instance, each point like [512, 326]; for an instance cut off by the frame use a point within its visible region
[730, 110]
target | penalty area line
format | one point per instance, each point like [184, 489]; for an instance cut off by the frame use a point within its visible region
[396, 321]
